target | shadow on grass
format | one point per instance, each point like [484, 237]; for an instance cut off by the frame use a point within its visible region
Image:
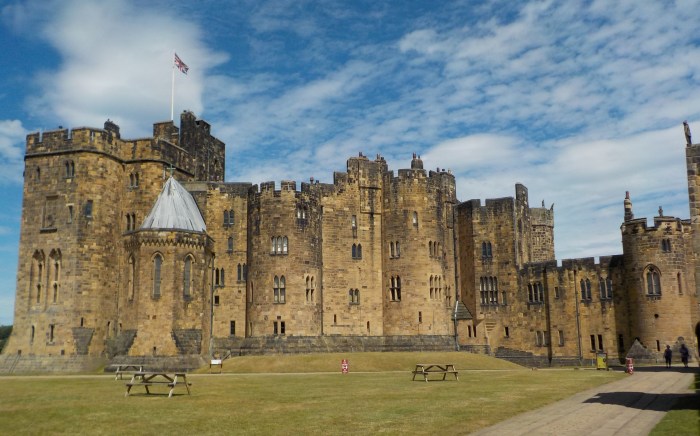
[656, 402]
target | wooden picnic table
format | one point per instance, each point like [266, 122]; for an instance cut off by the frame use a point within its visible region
[426, 369]
[150, 379]
[128, 368]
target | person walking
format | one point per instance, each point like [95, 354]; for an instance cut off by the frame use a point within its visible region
[667, 355]
[684, 355]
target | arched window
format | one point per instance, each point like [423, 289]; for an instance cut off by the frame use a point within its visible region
[285, 243]
[608, 285]
[239, 271]
[225, 218]
[415, 219]
[398, 249]
[354, 251]
[359, 251]
[230, 244]
[222, 277]
[187, 277]
[653, 279]
[273, 245]
[395, 289]
[391, 248]
[157, 265]
[488, 250]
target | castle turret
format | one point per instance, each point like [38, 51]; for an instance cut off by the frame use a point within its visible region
[628, 207]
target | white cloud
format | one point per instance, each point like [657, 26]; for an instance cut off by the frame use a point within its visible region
[12, 136]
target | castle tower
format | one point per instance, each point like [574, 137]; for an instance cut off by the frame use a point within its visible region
[419, 269]
[284, 253]
[168, 301]
[657, 287]
[692, 157]
[353, 248]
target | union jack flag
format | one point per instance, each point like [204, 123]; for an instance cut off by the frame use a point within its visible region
[181, 65]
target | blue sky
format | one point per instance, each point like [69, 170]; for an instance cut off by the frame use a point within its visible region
[579, 100]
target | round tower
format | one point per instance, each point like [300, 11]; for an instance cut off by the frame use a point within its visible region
[657, 287]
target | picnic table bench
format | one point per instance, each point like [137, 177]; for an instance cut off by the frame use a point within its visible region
[426, 369]
[128, 368]
[150, 379]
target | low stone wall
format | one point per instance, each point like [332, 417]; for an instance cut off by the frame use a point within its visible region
[30, 364]
[159, 363]
[329, 344]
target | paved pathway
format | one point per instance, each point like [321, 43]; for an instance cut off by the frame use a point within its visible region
[632, 406]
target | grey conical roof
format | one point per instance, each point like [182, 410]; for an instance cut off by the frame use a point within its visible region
[175, 209]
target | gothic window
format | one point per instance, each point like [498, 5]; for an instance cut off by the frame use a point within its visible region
[228, 217]
[285, 243]
[585, 289]
[157, 265]
[229, 247]
[666, 245]
[187, 277]
[273, 246]
[222, 277]
[357, 251]
[353, 224]
[395, 290]
[398, 249]
[601, 286]
[310, 289]
[609, 288]
[354, 296]
[392, 249]
[279, 291]
[70, 169]
[653, 279]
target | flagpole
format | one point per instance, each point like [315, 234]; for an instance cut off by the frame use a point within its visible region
[172, 95]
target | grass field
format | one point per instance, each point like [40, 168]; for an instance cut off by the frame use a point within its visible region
[272, 396]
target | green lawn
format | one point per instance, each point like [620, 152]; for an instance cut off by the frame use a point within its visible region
[287, 403]
[684, 417]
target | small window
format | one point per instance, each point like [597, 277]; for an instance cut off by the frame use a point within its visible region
[506, 332]
[157, 265]
[216, 300]
[592, 342]
[561, 338]
[229, 247]
[88, 209]
[232, 328]
[415, 219]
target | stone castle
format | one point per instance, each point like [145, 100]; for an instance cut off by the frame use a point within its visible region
[138, 249]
